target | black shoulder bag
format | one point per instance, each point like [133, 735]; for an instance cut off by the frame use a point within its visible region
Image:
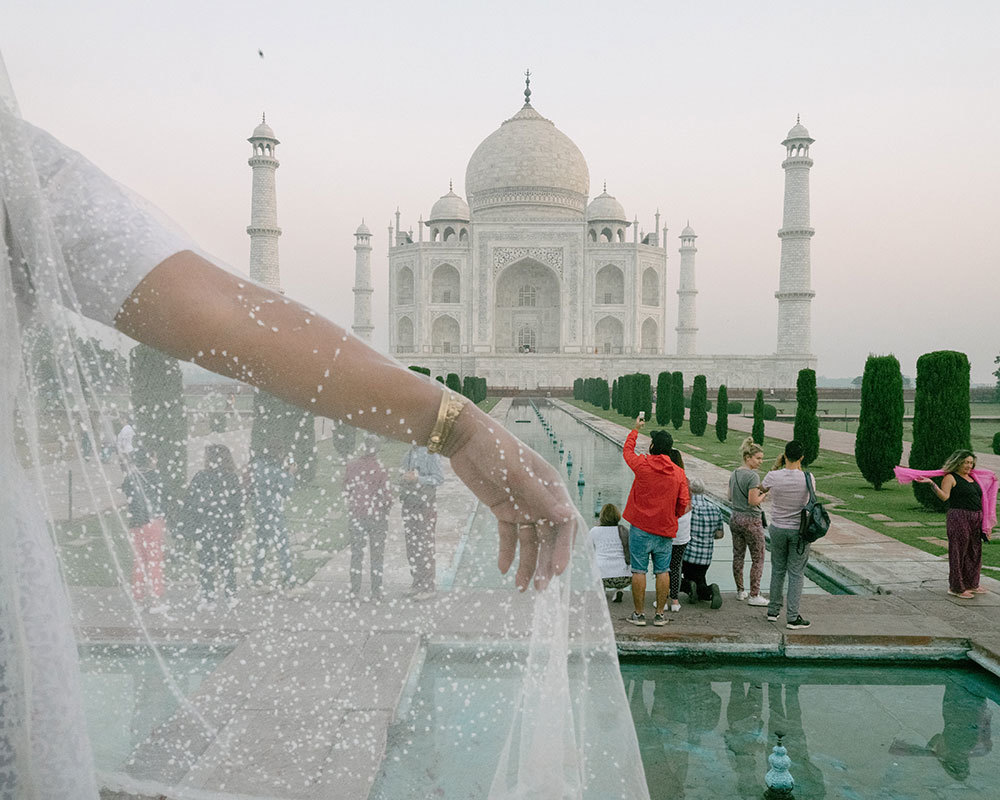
[815, 521]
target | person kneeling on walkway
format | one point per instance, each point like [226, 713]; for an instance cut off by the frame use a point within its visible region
[706, 527]
[611, 551]
[659, 495]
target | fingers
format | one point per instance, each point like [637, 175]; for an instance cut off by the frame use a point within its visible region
[555, 550]
[507, 532]
[528, 541]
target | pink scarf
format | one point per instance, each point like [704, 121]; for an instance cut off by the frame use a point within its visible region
[987, 482]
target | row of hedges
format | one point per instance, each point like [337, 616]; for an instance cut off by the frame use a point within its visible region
[470, 386]
[631, 394]
[594, 391]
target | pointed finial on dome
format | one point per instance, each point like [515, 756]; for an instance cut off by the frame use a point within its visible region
[605, 187]
[450, 185]
[263, 118]
[527, 87]
[797, 120]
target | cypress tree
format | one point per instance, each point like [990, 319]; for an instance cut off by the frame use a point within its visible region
[878, 446]
[453, 382]
[757, 432]
[663, 398]
[941, 416]
[677, 399]
[722, 413]
[614, 394]
[806, 422]
[699, 398]
[157, 394]
[422, 370]
[645, 394]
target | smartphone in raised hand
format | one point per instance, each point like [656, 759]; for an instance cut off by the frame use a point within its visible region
[642, 416]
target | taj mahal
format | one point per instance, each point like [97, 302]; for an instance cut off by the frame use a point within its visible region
[529, 283]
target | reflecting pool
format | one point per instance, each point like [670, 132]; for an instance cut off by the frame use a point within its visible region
[126, 694]
[864, 732]
[872, 732]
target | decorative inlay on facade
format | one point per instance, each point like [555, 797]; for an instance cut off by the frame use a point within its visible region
[550, 256]
[528, 196]
[455, 262]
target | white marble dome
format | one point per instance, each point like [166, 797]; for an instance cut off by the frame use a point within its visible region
[605, 208]
[450, 207]
[798, 131]
[263, 131]
[527, 166]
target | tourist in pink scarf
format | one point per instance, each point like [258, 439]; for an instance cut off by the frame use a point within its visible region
[971, 495]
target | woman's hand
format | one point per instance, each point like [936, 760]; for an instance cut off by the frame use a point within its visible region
[922, 479]
[524, 492]
[639, 423]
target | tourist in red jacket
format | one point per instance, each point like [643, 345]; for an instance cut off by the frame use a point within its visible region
[659, 495]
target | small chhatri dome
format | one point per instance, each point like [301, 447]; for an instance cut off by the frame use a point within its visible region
[263, 131]
[688, 230]
[362, 230]
[605, 208]
[798, 131]
[450, 207]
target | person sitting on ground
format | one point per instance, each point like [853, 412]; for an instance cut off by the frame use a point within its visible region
[787, 488]
[680, 542]
[706, 527]
[746, 521]
[659, 495]
[611, 546]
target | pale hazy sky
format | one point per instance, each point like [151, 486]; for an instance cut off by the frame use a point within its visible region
[679, 106]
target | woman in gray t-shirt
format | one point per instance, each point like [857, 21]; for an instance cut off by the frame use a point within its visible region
[745, 495]
[786, 485]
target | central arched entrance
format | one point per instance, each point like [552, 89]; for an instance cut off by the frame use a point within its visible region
[527, 318]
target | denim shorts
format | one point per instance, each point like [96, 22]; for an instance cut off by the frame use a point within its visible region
[642, 545]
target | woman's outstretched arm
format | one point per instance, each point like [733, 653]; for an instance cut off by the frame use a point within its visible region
[194, 311]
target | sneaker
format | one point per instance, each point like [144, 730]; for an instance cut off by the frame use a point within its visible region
[618, 596]
[757, 600]
[675, 606]
[637, 619]
[660, 620]
[742, 595]
[716, 596]
[797, 623]
[772, 617]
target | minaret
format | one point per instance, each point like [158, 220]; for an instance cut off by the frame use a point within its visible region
[363, 326]
[687, 329]
[794, 285]
[263, 227]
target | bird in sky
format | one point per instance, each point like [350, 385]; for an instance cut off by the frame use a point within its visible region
[260, 53]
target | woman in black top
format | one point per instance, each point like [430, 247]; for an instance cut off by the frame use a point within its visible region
[964, 523]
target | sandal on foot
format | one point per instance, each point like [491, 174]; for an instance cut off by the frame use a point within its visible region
[966, 595]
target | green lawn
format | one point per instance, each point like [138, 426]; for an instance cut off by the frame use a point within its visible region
[838, 480]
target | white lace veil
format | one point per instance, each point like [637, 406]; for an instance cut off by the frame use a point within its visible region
[285, 684]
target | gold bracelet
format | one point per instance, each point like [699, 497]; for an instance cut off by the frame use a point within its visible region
[451, 406]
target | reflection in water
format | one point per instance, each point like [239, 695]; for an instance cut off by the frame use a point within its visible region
[705, 731]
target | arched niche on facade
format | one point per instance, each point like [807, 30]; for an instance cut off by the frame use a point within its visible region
[609, 286]
[446, 284]
[607, 236]
[649, 336]
[404, 287]
[463, 235]
[650, 287]
[609, 335]
[448, 235]
[445, 335]
[435, 234]
[527, 295]
[621, 234]
[404, 335]
[592, 234]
